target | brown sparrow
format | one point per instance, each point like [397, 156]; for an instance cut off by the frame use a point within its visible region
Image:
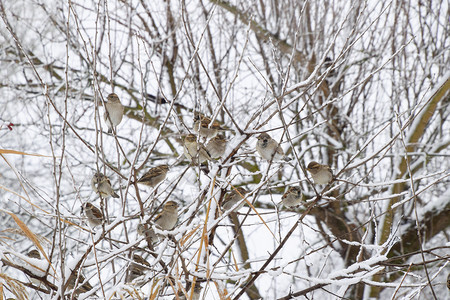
[321, 174]
[83, 285]
[113, 111]
[149, 233]
[203, 126]
[292, 197]
[93, 214]
[194, 151]
[137, 268]
[154, 176]
[35, 255]
[195, 296]
[102, 186]
[233, 197]
[165, 220]
[216, 146]
[269, 149]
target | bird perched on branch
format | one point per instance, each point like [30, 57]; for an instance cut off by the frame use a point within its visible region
[204, 127]
[154, 176]
[113, 111]
[156, 99]
[321, 174]
[83, 285]
[292, 197]
[137, 268]
[233, 198]
[35, 255]
[269, 149]
[216, 146]
[195, 151]
[93, 214]
[165, 220]
[102, 186]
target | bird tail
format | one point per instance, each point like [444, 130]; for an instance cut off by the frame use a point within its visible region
[114, 195]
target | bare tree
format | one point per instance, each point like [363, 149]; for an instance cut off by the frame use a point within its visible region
[361, 87]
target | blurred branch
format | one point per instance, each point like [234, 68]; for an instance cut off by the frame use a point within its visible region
[435, 221]
[262, 33]
[421, 123]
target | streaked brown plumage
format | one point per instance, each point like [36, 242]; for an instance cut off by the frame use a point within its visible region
[137, 268]
[233, 198]
[154, 176]
[203, 128]
[93, 214]
[34, 254]
[165, 220]
[83, 285]
[193, 151]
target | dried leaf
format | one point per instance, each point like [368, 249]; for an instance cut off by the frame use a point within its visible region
[235, 261]
[22, 197]
[30, 235]
[254, 209]
[188, 235]
[223, 294]
[9, 151]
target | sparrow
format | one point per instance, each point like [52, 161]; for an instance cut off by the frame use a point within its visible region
[149, 233]
[141, 229]
[154, 176]
[93, 214]
[216, 146]
[194, 151]
[234, 197]
[102, 186]
[203, 126]
[113, 111]
[137, 268]
[321, 174]
[195, 296]
[83, 285]
[269, 149]
[34, 254]
[292, 197]
[165, 220]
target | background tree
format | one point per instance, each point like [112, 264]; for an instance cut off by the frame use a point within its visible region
[362, 87]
